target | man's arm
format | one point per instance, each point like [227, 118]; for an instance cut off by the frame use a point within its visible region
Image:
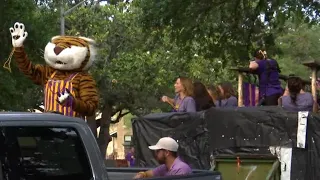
[145, 174]
[158, 171]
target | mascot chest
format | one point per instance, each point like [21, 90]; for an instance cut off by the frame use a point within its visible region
[59, 83]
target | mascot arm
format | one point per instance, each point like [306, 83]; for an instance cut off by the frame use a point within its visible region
[88, 100]
[37, 73]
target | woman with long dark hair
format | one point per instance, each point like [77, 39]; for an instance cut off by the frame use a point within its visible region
[295, 98]
[269, 84]
[227, 96]
[202, 97]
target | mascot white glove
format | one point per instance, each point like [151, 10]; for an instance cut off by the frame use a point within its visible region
[18, 34]
[65, 98]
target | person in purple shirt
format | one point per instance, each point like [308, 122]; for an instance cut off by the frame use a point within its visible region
[227, 96]
[183, 102]
[295, 98]
[269, 84]
[170, 164]
[130, 157]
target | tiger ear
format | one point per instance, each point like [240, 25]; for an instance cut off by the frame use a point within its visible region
[90, 41]
[55, 37]
[93, 51]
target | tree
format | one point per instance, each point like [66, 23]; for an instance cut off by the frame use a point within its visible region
[225, 29]
[133, 71]
[125, 71]
[17, 92]
[298, 44]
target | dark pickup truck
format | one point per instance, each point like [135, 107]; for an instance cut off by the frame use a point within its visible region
[49, 146]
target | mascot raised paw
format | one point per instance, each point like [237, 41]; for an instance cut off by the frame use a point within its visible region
[68, 88]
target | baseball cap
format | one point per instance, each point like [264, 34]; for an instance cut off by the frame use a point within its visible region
[166, 143]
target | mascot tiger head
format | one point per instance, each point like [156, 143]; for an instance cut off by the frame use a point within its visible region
[69, 53]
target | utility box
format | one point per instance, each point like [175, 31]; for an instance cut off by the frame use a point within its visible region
[248, 167]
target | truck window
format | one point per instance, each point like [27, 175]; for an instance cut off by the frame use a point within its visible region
[42, 153]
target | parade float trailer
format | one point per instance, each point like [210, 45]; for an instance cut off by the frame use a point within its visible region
[250, 143]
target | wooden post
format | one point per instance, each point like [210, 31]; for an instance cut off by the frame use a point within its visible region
[314, 89]
[314, 66]
[240, 89]
[240, 71]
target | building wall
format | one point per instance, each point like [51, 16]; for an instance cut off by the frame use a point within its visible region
[116, 145]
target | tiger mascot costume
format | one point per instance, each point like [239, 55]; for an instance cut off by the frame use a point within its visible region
[68, 88]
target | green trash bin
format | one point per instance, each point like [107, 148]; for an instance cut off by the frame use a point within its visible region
[248, 167]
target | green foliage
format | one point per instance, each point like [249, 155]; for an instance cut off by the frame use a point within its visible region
[133, 71]
[127, 120]
[145, 45]
[301, 42]
[225, 29]
[298, 44]
[17, 92]
[135, 68]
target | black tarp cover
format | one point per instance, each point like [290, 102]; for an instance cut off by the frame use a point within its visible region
[188, 129]
[251, 127]
[230, 131]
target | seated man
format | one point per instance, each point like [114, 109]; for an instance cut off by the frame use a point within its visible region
[166, 154]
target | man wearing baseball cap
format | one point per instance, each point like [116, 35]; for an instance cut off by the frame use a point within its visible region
[166, 154]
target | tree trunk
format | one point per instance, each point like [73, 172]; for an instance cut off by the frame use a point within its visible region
[91, 121]
[104, 136]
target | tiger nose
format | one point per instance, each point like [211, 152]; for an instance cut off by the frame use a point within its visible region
[57, 50]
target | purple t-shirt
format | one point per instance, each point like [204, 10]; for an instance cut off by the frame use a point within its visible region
[230, 102]
[187, 104]
[178, 168]
[304, 102]
[268, 85]
[129, 157]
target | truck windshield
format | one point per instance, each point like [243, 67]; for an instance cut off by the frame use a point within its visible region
[42, 153]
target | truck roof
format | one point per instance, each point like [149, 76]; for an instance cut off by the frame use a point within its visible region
[29, 116]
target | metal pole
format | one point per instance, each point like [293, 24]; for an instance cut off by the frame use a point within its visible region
[62, 22]
[74, 7]
[63, 13]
